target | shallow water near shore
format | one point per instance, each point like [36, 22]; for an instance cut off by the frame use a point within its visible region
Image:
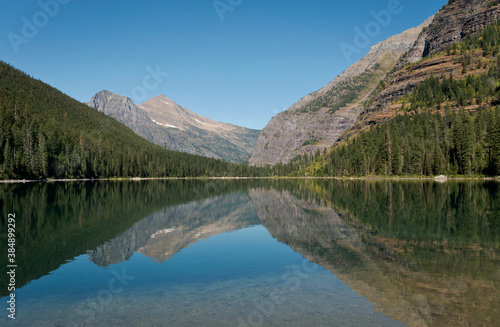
[254, 253]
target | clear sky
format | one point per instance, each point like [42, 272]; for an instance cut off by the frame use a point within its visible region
[236, 61]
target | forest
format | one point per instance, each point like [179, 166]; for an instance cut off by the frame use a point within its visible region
[460, 143]
[46, 134]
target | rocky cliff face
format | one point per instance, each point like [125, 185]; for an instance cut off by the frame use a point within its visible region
[450, 25]
[163, 122]
[126, 112]
[318, 119]
[457, 19]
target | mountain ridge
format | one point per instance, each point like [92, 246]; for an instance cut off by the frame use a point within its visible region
[317, 120]
[162, 121]
[451, 25]
[438, 115]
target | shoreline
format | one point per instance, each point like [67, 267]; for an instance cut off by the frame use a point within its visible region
[438, 179]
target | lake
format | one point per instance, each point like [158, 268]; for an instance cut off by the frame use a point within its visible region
[253, 253]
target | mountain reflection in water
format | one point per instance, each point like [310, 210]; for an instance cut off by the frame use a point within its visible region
[423, 253]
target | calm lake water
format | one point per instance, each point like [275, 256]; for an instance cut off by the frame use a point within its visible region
[253, 253]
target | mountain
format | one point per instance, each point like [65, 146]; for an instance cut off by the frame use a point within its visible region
[46, 134]
[126, 112]
[318, 119]
[162, 121]
[437, 112]
[451, 25]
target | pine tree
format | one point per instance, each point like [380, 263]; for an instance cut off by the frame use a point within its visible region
[494, 137]
[388, 149]
[7, 160]
[42, 156]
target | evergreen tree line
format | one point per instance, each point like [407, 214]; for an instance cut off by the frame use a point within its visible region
[295, 165]
[473, 90]
[46, 134]
[424, 144]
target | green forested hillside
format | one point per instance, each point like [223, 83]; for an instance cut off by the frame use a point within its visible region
[46, 134]
[424, 144]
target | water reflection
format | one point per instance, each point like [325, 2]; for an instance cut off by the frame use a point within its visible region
[164, 233]
[423, 253]
[57, 222]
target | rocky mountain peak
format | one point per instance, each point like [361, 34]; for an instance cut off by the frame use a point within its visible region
[166, 112]
[458, 19]
[107, 102]
[119, 107]
[450, 25]
[162, 121]
[164, 99]
[403, 41]
[318, 119]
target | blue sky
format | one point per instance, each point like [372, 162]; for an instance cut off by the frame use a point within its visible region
[236, 61]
